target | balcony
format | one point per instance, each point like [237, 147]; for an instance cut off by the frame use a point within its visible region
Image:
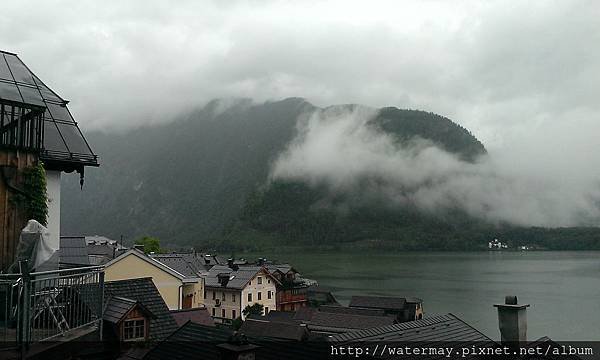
[57, 305]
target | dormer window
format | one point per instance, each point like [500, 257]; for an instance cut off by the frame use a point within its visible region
[134, 330]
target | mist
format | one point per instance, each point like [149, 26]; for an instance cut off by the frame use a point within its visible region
[336, 146]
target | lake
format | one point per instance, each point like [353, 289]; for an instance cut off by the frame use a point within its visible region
[563, 288]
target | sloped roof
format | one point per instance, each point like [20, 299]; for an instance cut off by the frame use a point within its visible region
[348, 310]
[195, 315]
[237, 278]
[334, 322]
[145, 292]
[117, 307]
[140, 255]
[73, 251]
[184, 264]
[435, 329]
[63, 141]
[378, 302]
[273, 329]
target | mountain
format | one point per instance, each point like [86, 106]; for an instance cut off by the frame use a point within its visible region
[204, 180]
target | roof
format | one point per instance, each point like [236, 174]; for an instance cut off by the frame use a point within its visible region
[117, 307]
[145, 292]
[73, 251]
[274, 315]
[237, 278]
[140, 255]
[186, 264]
[63, 141]
[339, 322]
[378, 302]
[440, 328]
[348, 310]
[273, 329]
[195, 315]
[194, 341]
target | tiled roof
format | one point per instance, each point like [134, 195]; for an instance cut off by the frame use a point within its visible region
[196, 315]
[177, 263]
[73, 251]
[348, 310]
[117, 307]
[144, 291]
[337, 322]
[438, 328]
[274, 315]
[378, 302]
[193, 341]
[274, 329]
[237, 279]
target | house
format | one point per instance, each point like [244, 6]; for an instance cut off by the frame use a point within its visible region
[404, 309]
[181, 289]
[319, 295]
[101, 249]
[228, 292]
[127, 319]
[36, 127]
[195, 315]
[292, 288]
[143, 301]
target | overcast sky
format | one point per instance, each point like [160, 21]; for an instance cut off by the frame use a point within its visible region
[523, 76]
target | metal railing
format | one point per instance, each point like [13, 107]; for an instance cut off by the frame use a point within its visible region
[48, 305]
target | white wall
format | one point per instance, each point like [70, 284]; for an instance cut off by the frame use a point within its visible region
[53, 191]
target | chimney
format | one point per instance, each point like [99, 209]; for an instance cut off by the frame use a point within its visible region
[261, 261]
[223, 279]
[230, 263]
[512, 319]
[237, 348]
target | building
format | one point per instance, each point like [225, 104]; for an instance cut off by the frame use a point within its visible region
[404, 309]
[36, 127]
[291, 291]
[127, 319]
[129, 294]
[180, 289]
[228, 292]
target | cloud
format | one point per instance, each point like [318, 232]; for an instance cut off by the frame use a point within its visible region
[335, 146]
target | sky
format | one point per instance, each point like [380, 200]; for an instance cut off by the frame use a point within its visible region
[522, 76]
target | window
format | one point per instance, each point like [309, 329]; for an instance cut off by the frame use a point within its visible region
[249, 297]
[259, 296]
[233, 314]
[134, 329]
[205, 294]
[214, 294]
[259, 280]
[269, 294]
[222, 312]
[223, 296]
[232, 297]
[266, 310]
[214, 312]
[268, 281]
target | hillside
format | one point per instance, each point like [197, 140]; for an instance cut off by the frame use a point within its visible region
[189, 181]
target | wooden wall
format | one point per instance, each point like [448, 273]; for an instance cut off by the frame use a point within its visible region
[12, 214]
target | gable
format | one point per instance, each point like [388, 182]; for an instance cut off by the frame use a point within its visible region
[131, 265]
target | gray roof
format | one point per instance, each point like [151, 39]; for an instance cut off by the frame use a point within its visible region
[348, 310]
[178, 263]
[73, 251]
[274, 329]
[378, 302]
[438, 328]
[339, 322]
[196, 315]
[237, 278]
[117, 307]
[145, 292]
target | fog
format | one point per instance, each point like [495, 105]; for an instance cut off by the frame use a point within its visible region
[522, 76]
[336, 147]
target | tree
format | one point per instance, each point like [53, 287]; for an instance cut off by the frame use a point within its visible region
[151, 244]
[254, 309]
[35, 190]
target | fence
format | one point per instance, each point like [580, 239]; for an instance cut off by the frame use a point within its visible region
[47, 305]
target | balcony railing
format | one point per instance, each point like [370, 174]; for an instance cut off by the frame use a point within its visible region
[49, 305]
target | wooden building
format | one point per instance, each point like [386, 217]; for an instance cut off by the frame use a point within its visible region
[35, 126]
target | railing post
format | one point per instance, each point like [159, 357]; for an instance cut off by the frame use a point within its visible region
[101, 305]
[23, 321]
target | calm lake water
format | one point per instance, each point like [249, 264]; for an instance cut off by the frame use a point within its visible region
[563, 288]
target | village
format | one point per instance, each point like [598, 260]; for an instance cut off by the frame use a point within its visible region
[91, 297]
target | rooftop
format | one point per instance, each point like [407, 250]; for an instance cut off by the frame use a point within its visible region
[237, 278]
[381, 302]
[437, 328]
[145, 292]
[21, 90]
[117, 307]
[273, 329]
[195, 315]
